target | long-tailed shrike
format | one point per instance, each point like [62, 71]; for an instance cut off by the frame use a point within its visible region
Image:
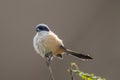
[48, 45]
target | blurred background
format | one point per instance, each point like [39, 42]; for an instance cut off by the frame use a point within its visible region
[88, 26]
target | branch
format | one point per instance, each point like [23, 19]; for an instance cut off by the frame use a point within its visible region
[85, 76]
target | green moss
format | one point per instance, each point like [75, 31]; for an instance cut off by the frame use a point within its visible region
[85, 76]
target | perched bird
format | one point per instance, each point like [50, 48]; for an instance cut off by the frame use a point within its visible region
[48, 45]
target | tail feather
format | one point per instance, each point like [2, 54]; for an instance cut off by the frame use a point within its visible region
[82, 56]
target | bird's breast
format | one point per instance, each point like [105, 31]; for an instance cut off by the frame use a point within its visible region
[38, 44]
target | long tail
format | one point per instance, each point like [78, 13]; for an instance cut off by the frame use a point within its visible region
[82, 56]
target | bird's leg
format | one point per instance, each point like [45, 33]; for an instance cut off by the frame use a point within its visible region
[48, 57]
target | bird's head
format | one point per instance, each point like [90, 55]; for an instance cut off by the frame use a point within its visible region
[42, 27]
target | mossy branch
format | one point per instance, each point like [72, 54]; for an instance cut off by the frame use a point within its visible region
[85, 76]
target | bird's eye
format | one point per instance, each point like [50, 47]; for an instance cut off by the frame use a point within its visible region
[40, 28]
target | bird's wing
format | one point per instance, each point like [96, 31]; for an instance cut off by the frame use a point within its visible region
[53, 43]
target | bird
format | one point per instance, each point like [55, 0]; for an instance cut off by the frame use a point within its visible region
[47, 44]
